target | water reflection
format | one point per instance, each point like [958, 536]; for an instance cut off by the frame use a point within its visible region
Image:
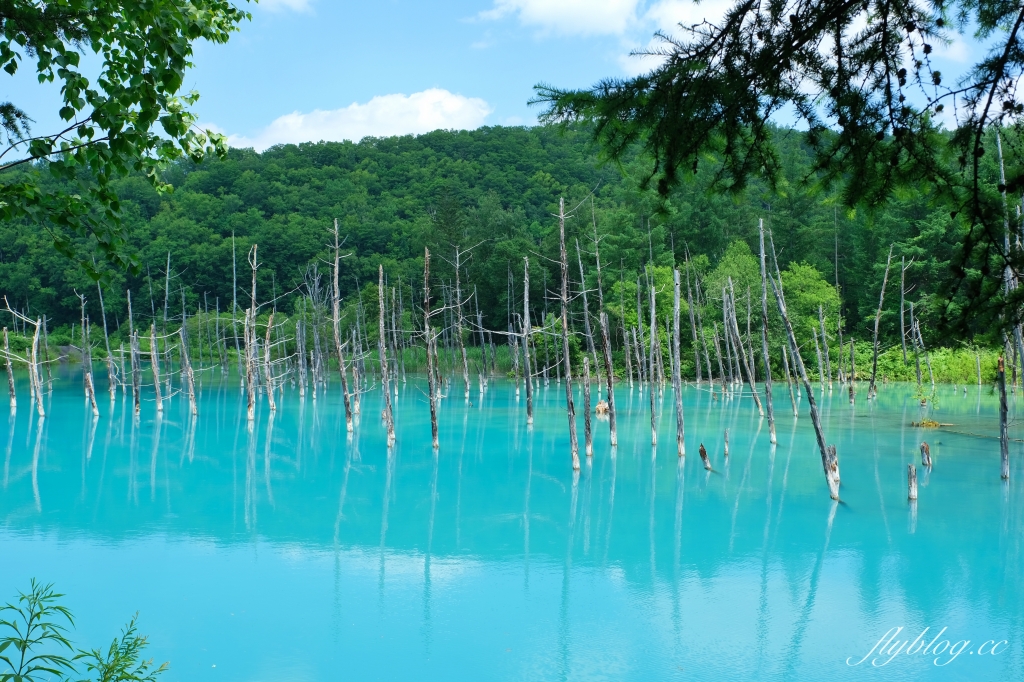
[634, 567]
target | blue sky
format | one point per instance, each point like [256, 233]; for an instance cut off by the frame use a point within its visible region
[334, 69]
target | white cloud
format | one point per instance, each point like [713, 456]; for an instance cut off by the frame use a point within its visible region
[285, 5]
[668, 14]
[385, 115]
[572, 17]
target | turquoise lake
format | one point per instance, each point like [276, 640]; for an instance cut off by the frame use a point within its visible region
[296, 552]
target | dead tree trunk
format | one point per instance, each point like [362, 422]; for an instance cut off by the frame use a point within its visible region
[911, 482]
[10, 371]
[789, 381]
[651, 372]
[336, 325]
[872, 389]
[903, 295]
[527, 333]
[743, 354]
[1004, 435]
[459, 322]
[677, 380]
[570, 408]
[591, 347]
[764, 340]
[34, 369]
[154, 361]
[817, 350]
[588, 436]
[853, 375]
[268, 369]
[389, 418]
[829, 460]
[431, 376]
[693, 327]
[111, 374]
[609, 378]
[188, 380]
[824, 345]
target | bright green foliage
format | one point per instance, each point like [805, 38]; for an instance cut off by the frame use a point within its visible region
[805, 290]
[33, 639]
[130, 119]
[36, 627]
[121, 662]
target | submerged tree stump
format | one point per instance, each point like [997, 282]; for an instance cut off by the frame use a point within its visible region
[926, 455]
[911, 482]
[704, 457]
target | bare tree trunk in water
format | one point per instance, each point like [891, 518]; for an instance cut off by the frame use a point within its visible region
[389, 418]
[677, 379]
[431, 376]
[588, 436]
[1004, 436]
[829, 459]
[527, 332]
[872, 390]
[764, 340]
[570, 408]
[609, 378]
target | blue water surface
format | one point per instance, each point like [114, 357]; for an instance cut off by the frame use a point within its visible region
[287, 549]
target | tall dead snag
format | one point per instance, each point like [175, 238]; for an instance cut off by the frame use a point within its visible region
[527, 333]
[187, 378]
[431, 376]
[903, 294]
[742, 353]
[570, 408]
[677, 379]
[700, 327]
[459, 323]
[336, 324]
[652, 374]
[251, 357]
[588, 435]
[250, 373]
[824, 345]
[34, 370]
[154, 361]
[693, 327]
[1004, 435]
[268, 369]
[591, 347]
[389, 417]
[609, 372]
[111, 374]
[90, 387]
[10, 371]
[132, 346]
[829, 459]
[764, 340]
[853, 375]
[817, 349]
[872, 389]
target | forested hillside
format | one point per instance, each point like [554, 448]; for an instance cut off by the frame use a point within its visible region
[494, 191]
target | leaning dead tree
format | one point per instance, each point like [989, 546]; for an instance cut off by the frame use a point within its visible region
[829, 459]
[32, 361]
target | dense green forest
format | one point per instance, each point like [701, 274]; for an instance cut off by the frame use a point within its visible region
[494, 191]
